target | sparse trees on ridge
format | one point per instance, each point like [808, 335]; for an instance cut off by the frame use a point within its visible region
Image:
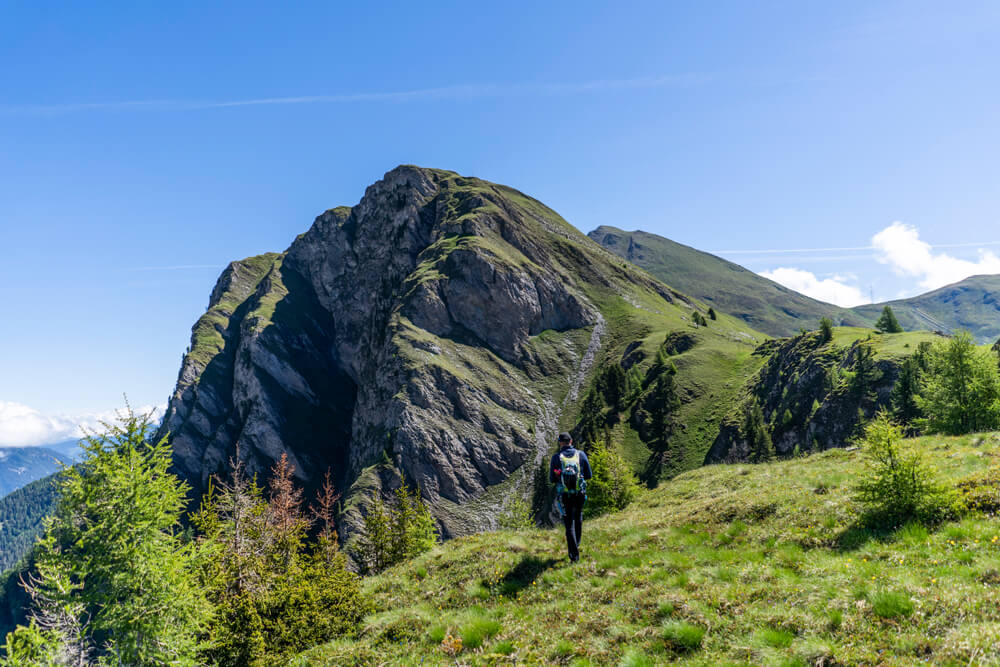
[887, 322]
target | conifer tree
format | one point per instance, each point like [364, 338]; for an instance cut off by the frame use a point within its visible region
[591, 416]
[887, 322]
[234, 544]
[663, 402]
[905, 408]
[711, 313]
[419, 531]
[633, 383]
[374, 547]
[115, 580]
[613, 385]
[613, 485]
[288, 523]
[825, 330]
[757, 435]
[324, 513]
[865, 373]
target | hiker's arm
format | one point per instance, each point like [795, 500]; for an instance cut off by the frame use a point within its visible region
[552, 470]
[585, 465]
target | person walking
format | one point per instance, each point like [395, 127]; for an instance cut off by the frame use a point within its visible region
[569, 471]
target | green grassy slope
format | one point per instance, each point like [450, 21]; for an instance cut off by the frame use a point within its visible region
[762, 303]
[708, 375]
[726, 564]
[972, 304]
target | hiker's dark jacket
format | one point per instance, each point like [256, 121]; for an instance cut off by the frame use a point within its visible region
[555, 464]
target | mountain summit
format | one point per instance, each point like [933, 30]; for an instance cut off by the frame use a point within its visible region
[441, 331]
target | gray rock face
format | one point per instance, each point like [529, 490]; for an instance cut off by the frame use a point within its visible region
[804, 399]
[399, 337]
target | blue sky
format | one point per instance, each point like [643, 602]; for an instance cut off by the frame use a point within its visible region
[145, 145]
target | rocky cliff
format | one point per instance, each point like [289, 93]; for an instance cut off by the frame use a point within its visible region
[814, 394]
[439, 331]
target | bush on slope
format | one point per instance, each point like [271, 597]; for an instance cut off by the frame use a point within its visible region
[758, 563]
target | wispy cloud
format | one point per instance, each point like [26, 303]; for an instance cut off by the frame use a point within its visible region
[24, 426]
[177, 267]
[458, 92]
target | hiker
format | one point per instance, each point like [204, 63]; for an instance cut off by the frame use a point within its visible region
[569, 471]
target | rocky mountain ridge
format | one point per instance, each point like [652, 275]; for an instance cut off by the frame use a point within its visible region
[440, 332]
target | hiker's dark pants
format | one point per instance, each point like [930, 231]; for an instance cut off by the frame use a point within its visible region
[573, 504]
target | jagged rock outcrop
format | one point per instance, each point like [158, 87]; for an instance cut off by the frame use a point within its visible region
[436, 331]
[809, 395]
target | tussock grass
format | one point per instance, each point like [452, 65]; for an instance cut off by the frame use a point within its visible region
[692, 573]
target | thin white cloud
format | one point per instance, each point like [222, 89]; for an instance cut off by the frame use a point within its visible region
[178, 267]
[475, 91]
[834, 289]
[24, 426]
[786, 250]
[899, 246]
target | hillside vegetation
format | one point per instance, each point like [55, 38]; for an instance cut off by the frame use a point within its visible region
[21, 516]
[774, 309]
[810, 392]
[727, 564]
[762, 303]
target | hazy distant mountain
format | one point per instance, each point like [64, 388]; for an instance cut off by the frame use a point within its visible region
[762, 303]
[21, 465]
[68, 450]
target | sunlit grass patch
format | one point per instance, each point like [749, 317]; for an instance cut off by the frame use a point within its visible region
[891, 604]
[683, 637]
[776, 637]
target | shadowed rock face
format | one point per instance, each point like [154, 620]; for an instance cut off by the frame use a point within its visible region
[400, 336]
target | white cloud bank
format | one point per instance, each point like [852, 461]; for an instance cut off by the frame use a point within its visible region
[23, 426]
[832, 290]
[899, 246]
